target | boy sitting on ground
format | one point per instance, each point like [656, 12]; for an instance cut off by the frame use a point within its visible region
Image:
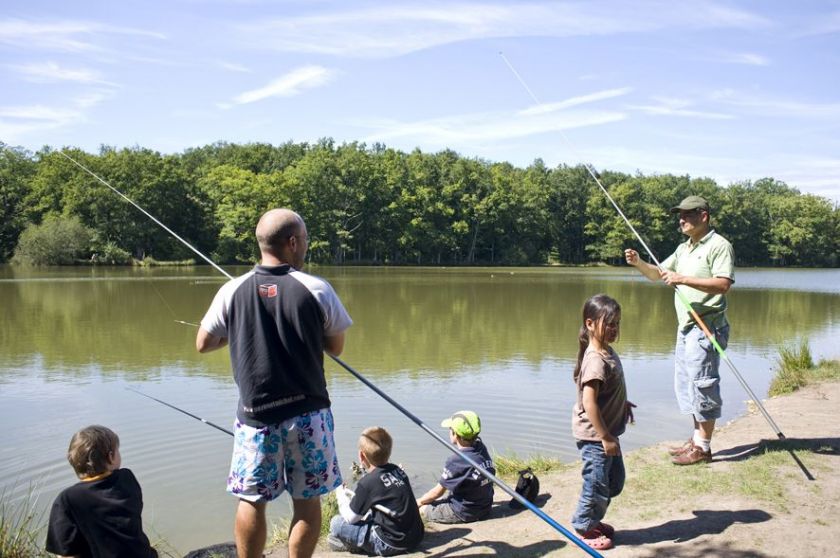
[471, 494]
[98, 517]
[394, 525]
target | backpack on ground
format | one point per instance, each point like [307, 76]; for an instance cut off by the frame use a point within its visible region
[527, 486]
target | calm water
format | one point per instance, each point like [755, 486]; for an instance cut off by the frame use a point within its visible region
[498, 341]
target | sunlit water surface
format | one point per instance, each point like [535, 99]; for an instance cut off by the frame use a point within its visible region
[498, 341]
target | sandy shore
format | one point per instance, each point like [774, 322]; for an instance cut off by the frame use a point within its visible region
[752, 500]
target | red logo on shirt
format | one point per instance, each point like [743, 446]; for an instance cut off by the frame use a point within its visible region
[268, 291]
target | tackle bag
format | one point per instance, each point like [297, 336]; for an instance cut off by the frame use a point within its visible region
[527, 486]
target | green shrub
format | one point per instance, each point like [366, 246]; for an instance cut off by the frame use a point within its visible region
[794, 363]
[21, 526]
[111, 254]
[56, 241]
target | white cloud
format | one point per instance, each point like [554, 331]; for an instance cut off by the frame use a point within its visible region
[777, 107]
[545, 108]
[288, 85]
[747, 58]
[667, 106]
[92, 98]
[62, 36]
[828, 24]
[46, 72]
[231, 67]
[392, 30]
[19, 121]
[483, 128]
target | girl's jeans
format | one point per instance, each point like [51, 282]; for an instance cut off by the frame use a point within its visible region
[603, 479]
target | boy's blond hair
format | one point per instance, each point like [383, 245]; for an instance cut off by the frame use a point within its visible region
[91, 449]
[375, 443]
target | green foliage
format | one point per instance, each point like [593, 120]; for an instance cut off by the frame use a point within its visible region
[110, 254]
[21, 526]
[16, 170]
[329, 508]
[56, 241]
[797, 369]
[379, 205]
[509, 465]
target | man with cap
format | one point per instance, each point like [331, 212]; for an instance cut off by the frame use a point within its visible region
[703, 268]
[471, 494]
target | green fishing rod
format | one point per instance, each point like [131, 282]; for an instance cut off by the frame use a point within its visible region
[484, 472]
[698, 320]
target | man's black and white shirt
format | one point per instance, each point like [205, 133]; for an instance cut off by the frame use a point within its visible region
[275, 320]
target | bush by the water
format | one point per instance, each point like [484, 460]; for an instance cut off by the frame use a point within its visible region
[797, 369]
[55, 241]
[111, 254]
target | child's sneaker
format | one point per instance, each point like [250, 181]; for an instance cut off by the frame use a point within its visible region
[336, 544]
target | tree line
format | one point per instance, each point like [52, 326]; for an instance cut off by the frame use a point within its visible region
[377, 205]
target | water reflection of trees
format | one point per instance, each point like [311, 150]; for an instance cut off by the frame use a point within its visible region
[406, 320]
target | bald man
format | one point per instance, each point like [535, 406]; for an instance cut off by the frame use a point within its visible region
[278, 321]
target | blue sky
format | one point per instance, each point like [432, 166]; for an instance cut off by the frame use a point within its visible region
[731, 90]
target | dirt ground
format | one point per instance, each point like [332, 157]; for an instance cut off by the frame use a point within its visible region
[801, 521]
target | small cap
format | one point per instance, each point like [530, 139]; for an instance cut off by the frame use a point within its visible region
[691, 202]
[465, 424]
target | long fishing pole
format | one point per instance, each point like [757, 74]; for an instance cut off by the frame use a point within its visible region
[542, 515]
[487, 474]
[380, 507]
[196, 417]
[698, 320]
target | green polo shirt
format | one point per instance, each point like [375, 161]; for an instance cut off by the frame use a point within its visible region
[712, 256]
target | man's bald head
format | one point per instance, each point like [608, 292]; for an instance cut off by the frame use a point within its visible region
[275, 228]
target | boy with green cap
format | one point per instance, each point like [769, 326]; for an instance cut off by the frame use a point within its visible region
[470, 493]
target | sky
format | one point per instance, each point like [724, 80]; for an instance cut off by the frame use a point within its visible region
[731, 90]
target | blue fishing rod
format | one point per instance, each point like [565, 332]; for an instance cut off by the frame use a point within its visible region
[484, 472]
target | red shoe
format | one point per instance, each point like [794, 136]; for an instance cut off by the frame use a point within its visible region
[692, 456]
[596, 539]
[606, 529]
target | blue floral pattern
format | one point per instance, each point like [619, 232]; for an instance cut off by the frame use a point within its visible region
[297, 455]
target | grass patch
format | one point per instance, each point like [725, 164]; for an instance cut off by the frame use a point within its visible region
[149, 261]
[279, 532]
[21, 527]
[653, 480]
[797, 369]
[509, 465]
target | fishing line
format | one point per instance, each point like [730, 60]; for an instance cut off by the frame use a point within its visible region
[484, 472]
[699, 321]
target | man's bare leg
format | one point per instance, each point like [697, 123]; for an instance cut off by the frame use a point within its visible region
[250, 529]
[706, 429]
[305, 527]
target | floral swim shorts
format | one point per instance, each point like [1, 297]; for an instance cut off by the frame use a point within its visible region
[296, 455]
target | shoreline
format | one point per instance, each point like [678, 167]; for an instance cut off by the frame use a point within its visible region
[658, 514]
[752, 500]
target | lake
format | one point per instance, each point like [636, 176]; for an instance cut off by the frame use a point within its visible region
[499, 341]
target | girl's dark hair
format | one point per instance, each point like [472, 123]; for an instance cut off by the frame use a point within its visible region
[90, 450]
[601, 309]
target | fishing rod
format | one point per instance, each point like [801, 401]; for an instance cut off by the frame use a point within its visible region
[698, 320]
[542, 515]
[196, 417]
[484, 472]
[380, 507]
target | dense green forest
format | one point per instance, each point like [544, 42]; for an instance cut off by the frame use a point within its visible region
[376, 205]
